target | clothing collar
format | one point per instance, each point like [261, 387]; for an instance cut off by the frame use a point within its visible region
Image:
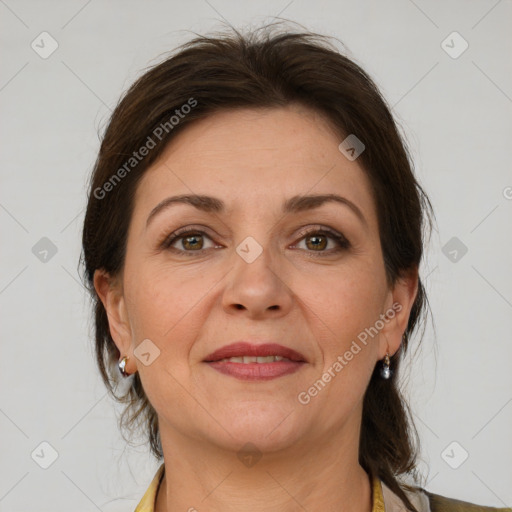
[383, 498]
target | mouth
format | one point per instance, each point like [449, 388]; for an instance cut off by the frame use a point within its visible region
[247, 361]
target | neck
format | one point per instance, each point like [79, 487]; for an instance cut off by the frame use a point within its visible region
[315, 477]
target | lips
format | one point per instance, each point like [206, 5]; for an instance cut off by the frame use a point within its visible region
[243, 348]
[249, 362]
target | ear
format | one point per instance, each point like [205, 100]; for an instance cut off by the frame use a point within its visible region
[110, 292]
[398, 305]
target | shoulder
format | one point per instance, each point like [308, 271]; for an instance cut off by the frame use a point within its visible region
[425, 501]
[439, 503]
[148, 501]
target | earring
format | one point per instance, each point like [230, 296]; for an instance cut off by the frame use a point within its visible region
[122, 366]
[385, 371]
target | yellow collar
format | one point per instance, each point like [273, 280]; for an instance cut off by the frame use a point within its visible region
[147, 504]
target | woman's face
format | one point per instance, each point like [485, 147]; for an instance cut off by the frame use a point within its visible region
[266, 267]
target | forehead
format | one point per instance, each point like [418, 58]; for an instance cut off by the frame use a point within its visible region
[256, 158]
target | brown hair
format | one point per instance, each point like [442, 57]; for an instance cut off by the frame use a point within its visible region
[271, 69]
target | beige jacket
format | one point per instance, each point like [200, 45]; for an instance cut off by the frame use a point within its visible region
[384, 500]
[425, 501]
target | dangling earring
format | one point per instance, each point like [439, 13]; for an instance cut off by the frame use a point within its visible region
[385, 371]
[122, 366]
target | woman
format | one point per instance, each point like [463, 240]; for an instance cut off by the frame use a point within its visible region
[252, 243]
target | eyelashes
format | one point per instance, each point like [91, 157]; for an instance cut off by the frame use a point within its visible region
[183, 234]
[193, 236]
[342, 244]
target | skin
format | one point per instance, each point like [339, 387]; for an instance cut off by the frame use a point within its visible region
[190, 306]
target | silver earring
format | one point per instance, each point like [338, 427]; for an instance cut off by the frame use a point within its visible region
[385, 371]
[122, 366]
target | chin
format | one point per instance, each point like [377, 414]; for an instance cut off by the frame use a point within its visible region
[268, 427]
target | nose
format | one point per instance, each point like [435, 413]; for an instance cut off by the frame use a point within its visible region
[258, 288]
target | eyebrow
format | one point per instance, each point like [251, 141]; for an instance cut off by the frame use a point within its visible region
[295, 204]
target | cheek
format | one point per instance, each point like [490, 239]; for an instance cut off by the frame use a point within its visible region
[350, 306]
[165, 304]
[168, 308]
[348, 352]
[353, 298]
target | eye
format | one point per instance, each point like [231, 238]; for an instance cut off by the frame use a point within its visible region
[317, 239]
[190, 240]
[187, 240]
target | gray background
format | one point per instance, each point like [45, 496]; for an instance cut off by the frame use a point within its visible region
[456, 113]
